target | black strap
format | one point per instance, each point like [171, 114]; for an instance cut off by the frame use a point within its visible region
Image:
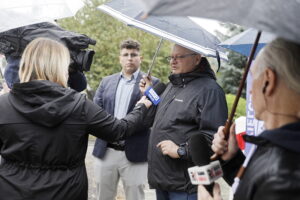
[218, 59]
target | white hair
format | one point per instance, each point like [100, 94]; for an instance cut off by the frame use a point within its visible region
[283, 57]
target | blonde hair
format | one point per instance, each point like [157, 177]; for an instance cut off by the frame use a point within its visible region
[283, 57]
[45, 59]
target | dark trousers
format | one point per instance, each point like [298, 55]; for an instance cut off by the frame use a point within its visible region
[165, 195]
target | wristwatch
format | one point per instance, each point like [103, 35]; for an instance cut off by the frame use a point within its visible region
[181, 151]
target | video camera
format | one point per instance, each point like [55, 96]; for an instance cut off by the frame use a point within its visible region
[14, 41]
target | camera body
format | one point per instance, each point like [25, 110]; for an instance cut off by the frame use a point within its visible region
[14, 41]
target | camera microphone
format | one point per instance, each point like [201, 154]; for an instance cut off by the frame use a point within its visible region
[205, 172]
[152, 93]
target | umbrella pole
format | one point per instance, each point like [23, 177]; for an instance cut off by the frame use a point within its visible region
[154, 58]
[242, 83]
[238, 95]
[1, 74]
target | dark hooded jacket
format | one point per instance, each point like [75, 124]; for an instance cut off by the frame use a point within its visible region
[193, 103]
[43, 140]
[273, 172]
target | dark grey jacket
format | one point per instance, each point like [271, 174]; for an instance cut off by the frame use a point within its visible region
[192, 103]
[273, 172]
[43, 140]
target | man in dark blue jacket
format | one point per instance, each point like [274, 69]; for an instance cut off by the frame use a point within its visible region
[118, 94]
[192, 103]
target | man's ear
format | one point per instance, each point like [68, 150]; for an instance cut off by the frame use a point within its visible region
[198, 59]
[270, 79]
[298, 114]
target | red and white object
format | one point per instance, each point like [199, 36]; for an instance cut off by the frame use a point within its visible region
[240, 130]
[206, 174]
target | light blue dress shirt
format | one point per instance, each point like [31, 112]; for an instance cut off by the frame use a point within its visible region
[123, 94]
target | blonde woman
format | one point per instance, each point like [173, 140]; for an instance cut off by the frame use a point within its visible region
[44, 128]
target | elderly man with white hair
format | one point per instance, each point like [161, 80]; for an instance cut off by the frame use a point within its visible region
[273, 171]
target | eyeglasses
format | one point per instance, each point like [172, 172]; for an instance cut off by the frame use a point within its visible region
[169, 58]
[132, 55]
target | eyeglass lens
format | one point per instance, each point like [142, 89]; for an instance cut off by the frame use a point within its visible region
[132, 55]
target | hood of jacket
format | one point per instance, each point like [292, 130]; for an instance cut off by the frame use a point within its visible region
[287, 136]
[43, 102]
[182, 79]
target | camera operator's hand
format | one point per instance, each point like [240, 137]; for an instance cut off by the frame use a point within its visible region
[145, 101]
[145, 82]
[226, 149]
[203, 194]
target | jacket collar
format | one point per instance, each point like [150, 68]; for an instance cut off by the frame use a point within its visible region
[134, 75]
[287, 136]
[182, 79]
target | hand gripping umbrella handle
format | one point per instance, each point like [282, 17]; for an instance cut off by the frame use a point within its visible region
[237, 97]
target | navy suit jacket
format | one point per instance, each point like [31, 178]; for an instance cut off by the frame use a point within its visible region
[136, 146]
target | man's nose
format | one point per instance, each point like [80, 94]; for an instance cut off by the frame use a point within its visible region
[173, 60]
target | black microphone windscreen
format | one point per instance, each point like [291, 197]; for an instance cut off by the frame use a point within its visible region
[159, 88]
[199, 150]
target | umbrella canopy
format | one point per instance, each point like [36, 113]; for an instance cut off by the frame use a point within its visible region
[243, 42]
[274, 16]
[181, 30]
[17, 13]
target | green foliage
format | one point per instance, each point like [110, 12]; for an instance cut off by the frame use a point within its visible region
[232, 71]
[109, 32]
[241, 108]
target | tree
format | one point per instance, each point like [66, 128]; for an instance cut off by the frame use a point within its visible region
[232, 71]
[241, 108]
[109, 32]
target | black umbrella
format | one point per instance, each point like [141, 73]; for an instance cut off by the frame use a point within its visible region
[181, 30]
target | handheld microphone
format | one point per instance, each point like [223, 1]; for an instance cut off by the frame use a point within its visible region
[152, 93]
[205, 172]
